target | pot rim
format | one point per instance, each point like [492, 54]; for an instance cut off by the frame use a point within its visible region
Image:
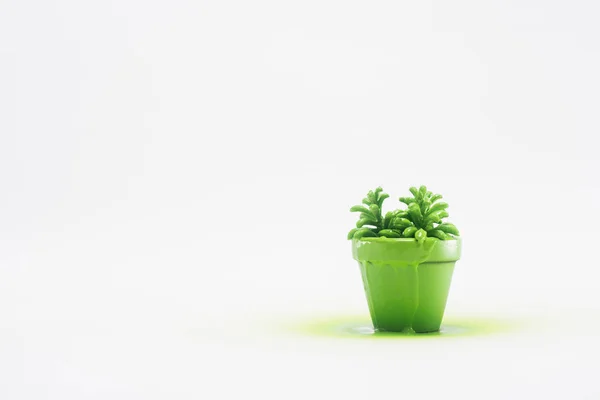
[400, 240]
[406, 250]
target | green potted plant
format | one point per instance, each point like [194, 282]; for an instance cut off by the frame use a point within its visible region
[406, 259]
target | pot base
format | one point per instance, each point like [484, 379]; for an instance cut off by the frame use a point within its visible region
[403, 297]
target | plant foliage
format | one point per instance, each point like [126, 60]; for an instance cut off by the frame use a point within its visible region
[423, 217]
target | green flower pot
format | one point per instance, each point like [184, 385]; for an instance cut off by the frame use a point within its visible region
[406, 282]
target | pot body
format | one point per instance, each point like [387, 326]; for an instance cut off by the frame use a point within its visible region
[406, 282]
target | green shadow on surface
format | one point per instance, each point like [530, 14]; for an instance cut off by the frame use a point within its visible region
[360, 327]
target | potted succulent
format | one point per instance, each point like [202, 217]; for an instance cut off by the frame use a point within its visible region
[406, 259]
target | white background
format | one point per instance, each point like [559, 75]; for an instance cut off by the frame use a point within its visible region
[176, 179]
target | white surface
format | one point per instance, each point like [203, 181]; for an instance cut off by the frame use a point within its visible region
[171, 172]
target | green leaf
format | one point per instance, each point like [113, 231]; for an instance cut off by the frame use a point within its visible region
[438, 234]
[387, 219]
[361, 209]
[351, 233]
[448, 228]
[414, 191]
[382, 197]
[409, 232]
[400, 223]
[425, 205]
[389, 233]
[407, 200]
[364, 232]
[414, 213]
[366, 221]
[443, 214]
[432, 219]
[435, 197]
[420, 235]
[438, 207]
[372, 197]
[400, 213]
[436, 217]
[375, 210]
[422, 191]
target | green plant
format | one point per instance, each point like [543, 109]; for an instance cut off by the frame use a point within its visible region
[423, 217]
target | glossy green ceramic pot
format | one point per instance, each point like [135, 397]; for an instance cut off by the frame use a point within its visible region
[406, 282]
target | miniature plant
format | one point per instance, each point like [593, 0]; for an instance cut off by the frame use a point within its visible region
[423, 218]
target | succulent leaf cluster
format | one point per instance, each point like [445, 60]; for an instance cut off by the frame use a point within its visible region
[423, 218]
